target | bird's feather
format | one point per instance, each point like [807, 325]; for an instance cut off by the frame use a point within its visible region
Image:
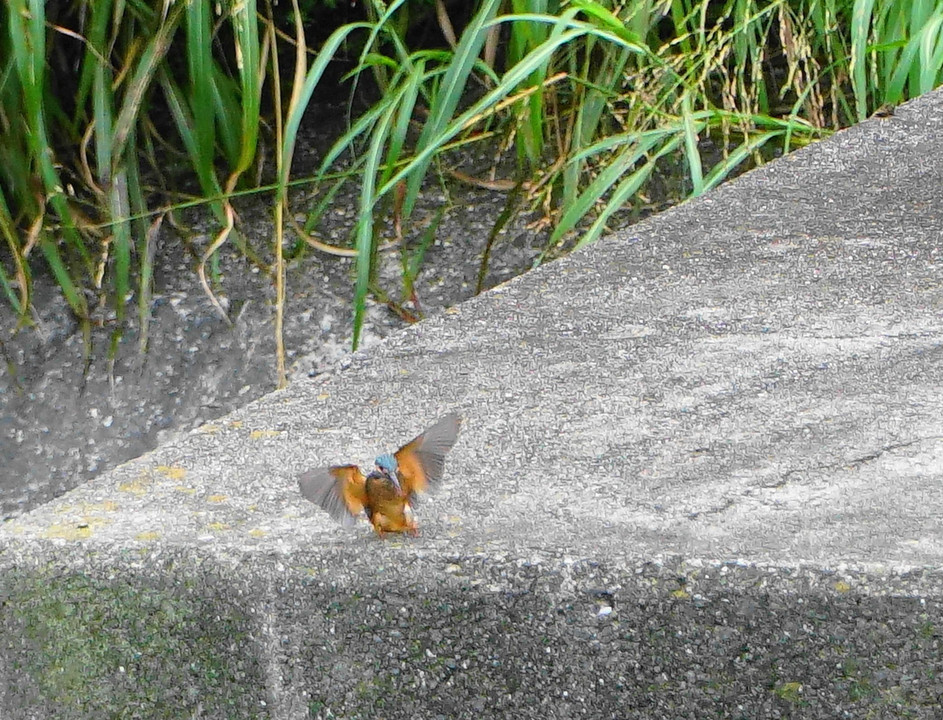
[341, 490]
[422, 460]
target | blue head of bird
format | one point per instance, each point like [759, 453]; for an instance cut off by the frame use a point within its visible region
[387, 465]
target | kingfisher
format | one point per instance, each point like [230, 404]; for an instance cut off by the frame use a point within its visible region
[389, 491]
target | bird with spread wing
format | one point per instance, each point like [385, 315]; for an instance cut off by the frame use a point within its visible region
[388, 492]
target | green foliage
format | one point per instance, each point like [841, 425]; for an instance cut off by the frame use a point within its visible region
[897, 51]
[595, 97]
[88, 212]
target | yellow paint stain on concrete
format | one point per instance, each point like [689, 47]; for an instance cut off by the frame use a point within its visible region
[257, 533]
[88, 508]
[185, 489]
[236, 424]
[217, 526]
[258, 434]
[217, 498]
[61, 531]
[174, 472]
[139, 486]
[78, 530]
[841, 586]
[324, 396]
[147, 536]
[209, 429]
[456, 525]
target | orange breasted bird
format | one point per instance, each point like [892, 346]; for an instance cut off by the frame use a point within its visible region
[389, 491]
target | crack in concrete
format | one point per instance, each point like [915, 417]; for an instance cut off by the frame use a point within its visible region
[727, 504]
[784, 480]
[849, 464]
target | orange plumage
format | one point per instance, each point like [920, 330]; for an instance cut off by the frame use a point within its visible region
[388, 492]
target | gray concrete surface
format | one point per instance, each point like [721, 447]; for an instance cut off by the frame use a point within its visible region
[700, 476]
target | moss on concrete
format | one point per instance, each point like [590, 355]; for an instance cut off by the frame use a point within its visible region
[94, 647]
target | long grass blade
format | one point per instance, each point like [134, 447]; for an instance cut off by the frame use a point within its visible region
[365, 238]
[19, 300]
[861, 16]
[300, 103]
[143, 75]
[931, 53]
[691, 150]
[449, 93]
[250, 67]
[27, 19]
[200, 83]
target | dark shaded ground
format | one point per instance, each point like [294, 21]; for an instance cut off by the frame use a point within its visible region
[60, 426]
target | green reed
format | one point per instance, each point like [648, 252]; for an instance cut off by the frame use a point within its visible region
[594, 99]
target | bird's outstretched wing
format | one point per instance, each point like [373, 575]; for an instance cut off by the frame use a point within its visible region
[421, 462]
[340, 490]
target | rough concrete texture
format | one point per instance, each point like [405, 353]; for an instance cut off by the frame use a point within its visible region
[699, 476]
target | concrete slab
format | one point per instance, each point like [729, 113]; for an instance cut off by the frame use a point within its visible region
[699, 476]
